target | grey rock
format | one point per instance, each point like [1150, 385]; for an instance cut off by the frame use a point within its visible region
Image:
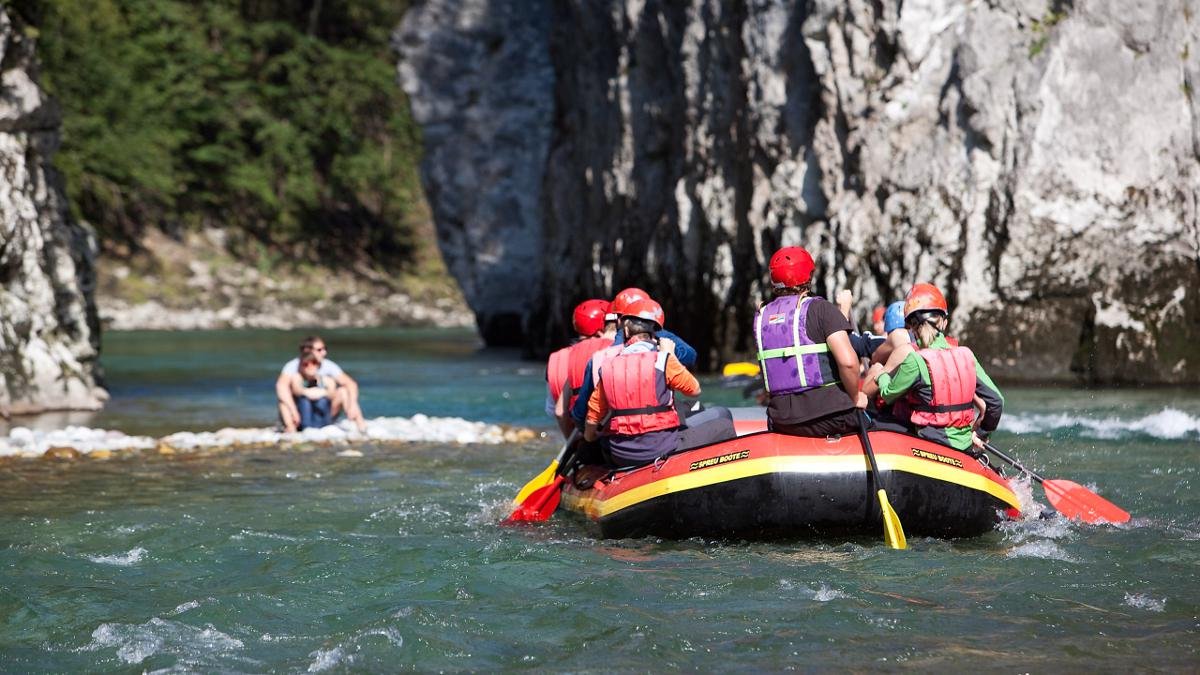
[49, 332]
[1037, 160]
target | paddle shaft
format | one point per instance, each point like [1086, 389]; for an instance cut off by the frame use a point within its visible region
[866, 443]
[1013, 463]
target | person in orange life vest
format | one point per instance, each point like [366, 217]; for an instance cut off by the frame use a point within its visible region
[565, 367]
[620, 305]
[636, 392]
[810, 369]
[939, 382]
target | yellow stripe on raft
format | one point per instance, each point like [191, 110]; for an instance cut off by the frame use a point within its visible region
[595, 508]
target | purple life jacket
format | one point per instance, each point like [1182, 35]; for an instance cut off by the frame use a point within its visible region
[790, 361]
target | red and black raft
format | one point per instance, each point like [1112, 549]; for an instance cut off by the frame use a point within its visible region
[764, 485]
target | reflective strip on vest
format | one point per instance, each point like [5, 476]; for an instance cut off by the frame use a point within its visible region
[800, 347]
[558, 372]
[638, 396]
[952, 381]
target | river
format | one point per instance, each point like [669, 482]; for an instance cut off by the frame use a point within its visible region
[310, 560]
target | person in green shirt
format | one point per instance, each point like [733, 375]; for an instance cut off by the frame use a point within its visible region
[936, 386]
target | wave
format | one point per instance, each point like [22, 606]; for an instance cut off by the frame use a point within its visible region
[135, 643]
[1169, 423]
[75, 440]
[132, 557]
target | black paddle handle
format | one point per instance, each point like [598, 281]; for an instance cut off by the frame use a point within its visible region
[866, 443]
[1012, 462]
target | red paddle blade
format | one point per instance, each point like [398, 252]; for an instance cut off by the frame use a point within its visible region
[1077, 502]
[539, 505]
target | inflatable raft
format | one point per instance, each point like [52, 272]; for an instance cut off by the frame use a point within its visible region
[767, 485]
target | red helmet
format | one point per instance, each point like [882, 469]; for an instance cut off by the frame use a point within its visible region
[924, 297]
[625, 298]
[646, 309]
[589, 316]
[791, 266]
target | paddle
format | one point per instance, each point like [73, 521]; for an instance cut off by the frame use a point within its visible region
[893, 531]
[547, 475]
[1071, 499]
[542, 502]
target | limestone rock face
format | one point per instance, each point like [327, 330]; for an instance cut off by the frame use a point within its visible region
[1037, 160]
[49, 334]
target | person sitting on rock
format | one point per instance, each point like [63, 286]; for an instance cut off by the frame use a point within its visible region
[346, 398]
[938, 384]
[636, 394]
[313, 394]
[809, 366]
[566, 367]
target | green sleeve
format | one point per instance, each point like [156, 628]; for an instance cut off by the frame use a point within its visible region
[911, 371]
[982, 378]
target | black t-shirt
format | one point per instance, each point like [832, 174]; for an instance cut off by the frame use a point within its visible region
[823, 320]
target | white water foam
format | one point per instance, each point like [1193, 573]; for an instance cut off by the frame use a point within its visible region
[132, 557]
[1142, 601]
[1047, 550]
[136, 643]
[324, 659]
[1169, 423]
[28, 442]
[25, 442]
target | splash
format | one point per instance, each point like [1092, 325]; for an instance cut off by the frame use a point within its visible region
[136, 643]
[132, 557]
[1047, 550]
[75, 441]
[1169, 423]
[1142, 601]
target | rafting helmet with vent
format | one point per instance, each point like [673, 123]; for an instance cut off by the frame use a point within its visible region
[923, 301]
[646, 309]
[589, 316]
[622, 301]
[791, 266]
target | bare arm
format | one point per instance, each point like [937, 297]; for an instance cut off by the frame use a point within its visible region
[288, 413]
[848, 366]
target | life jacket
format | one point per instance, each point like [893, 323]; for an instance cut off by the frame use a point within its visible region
[790, 361]
[600, 358]
[558, 372]
[639, 399]
[952, 379]
[577, 360]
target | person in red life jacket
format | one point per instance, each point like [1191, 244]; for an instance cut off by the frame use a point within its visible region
[565, 368]
[636, 393]
[620, 305]
[810, 368]
[938, 382]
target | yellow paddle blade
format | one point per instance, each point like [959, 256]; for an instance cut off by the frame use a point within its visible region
[539, 481]
[740, 368]
[893, 531]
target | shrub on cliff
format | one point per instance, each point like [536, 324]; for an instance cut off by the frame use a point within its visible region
[281, 120]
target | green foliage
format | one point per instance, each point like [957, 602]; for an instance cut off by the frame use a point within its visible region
[1041, 29]
[279, 119]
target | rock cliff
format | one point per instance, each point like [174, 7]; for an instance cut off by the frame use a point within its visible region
[49, 335]
[1038, 160]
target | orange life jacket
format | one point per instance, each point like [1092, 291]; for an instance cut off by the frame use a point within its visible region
[638, 396]
[558, 373]
[577, 360]
[952, 379]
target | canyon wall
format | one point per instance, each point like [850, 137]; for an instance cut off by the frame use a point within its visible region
[49, 333]
[1037, 160]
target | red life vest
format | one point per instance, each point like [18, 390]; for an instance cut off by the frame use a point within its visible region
[577, 360]
[638, 396]
[600, 358]
[952, 379]
[558, 372]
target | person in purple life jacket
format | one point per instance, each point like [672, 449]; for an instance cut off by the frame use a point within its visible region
[810, 369]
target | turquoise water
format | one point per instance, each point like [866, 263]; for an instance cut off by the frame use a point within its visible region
[304, 560]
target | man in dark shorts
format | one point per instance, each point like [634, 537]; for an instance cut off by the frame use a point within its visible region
[810, 368]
